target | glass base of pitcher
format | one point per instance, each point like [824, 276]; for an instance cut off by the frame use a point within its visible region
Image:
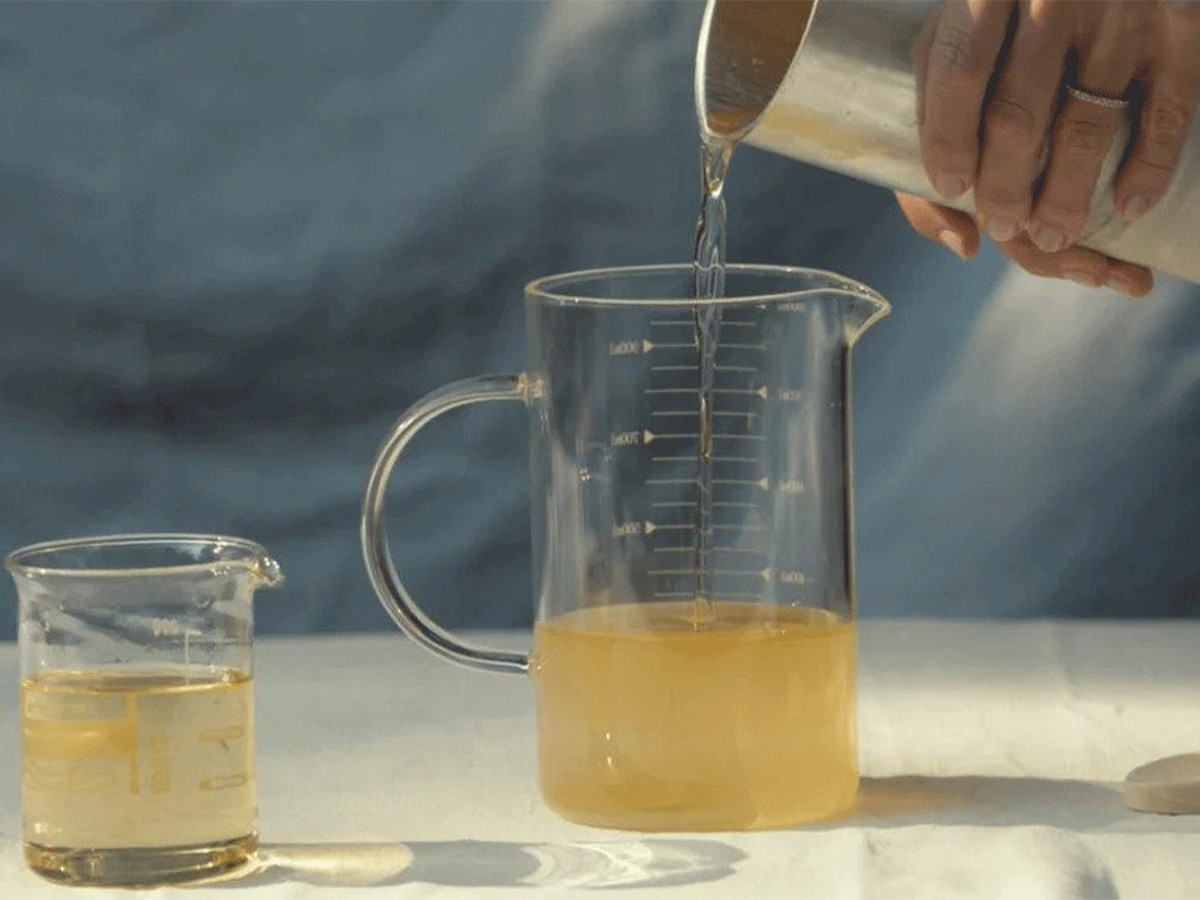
[140, 866]
[677, 820]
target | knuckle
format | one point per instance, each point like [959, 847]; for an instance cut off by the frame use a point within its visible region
[1188, 10]
[1033, 263]
[1067, 213]
[996, 197]
[1084, 137]
[1043, 12]
[1130, 25]
[1153, 171]
[1009, 118]
[949, 86]
[919, 52]
[1167, 122]
[954, 51]
[949, 150]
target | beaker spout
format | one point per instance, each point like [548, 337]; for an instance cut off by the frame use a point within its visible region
[268, 571]
[863, 309]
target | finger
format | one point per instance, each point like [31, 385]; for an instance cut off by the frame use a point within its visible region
[1080, 265]
[1084, 132]
[920, 59]
[1017, 121]
[952, 229]
[1129, 279]
[962, 56]
[1086, 267]
[1166, 116]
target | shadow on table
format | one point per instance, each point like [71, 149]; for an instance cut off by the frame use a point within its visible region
[984, 800]
[616, 864]
[883, 803]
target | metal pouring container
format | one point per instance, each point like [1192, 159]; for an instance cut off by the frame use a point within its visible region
[831, 83]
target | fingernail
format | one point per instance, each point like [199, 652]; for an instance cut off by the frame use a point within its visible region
[949, 186]
[1001, 230]
[1126, 285]
[1134, 207]
[1048, 240]
[954, 243]
[1083, 276]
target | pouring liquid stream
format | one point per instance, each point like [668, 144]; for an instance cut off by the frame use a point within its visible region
[708, 285]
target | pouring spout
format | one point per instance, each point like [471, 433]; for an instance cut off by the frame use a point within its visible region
[268, 571]
[863, 308]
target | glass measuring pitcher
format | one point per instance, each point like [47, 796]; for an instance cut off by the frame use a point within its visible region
[694, 636]
[137, 705]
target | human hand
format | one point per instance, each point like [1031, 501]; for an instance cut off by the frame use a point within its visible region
[960, 234]
[991, 77]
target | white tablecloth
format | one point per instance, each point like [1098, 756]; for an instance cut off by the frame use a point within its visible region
[992, 750]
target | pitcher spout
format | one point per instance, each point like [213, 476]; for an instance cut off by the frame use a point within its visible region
[863, 309]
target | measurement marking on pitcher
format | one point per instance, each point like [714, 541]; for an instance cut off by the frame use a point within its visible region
[690, 324]
[683, 503]
[691, 414]
[691, 457]
[731, 346]
[629, 348]
[717, 369]
[743, 345]
[718, 549]
[720, 595]
[764, 483]
[722, 572]
[759, 392]
[716, 437]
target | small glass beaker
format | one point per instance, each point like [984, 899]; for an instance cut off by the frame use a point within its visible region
[693, 544]
[137, 705]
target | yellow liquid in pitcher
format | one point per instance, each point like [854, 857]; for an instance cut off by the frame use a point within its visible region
[653, 718]
[126, 762]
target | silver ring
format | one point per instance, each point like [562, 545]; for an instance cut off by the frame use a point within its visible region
[1097, 99]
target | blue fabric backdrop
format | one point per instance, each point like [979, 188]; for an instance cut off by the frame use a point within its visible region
[237, 239]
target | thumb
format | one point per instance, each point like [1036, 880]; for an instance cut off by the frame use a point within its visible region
[954, 230]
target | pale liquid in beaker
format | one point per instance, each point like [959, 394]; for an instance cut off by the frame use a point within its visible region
[649, 720]
[140, 770]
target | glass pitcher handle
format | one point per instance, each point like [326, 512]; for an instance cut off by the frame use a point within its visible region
[388, 587]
